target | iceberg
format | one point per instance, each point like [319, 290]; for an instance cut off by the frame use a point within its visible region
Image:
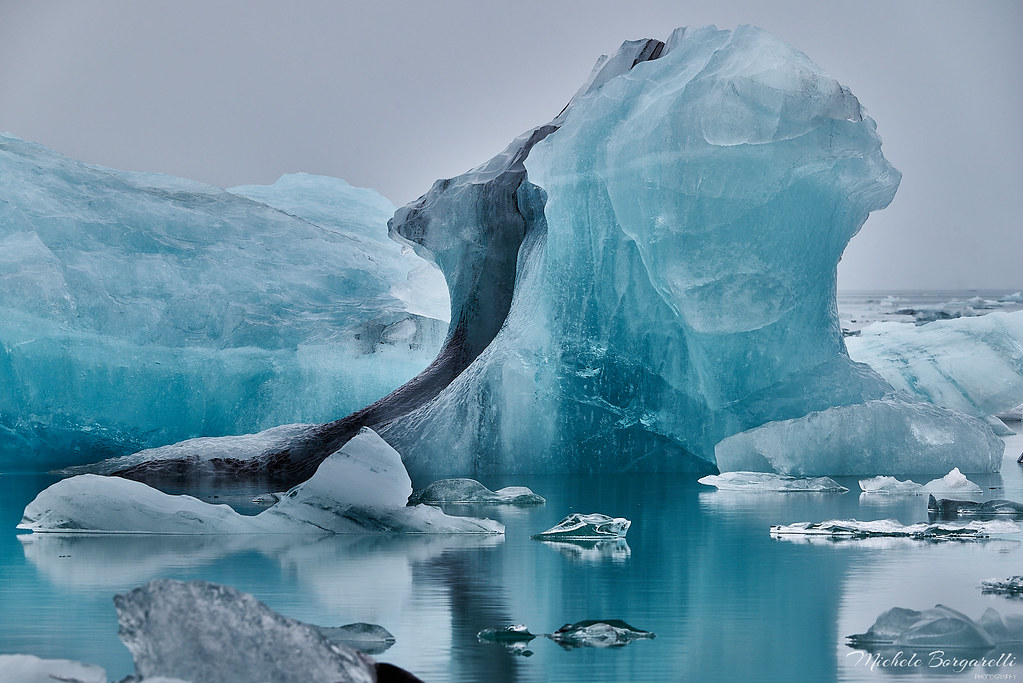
[953, 482]
[941, 627]
[471, 492]
[891, 528]
[974, 365]
[896, 435]
[766, 481]
[363, 488]
[139, 309]
[586, 527]
[199, 631]
[946, 508]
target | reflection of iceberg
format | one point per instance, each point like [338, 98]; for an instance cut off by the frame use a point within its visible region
[362, 488]
[891, 528]
[768, 481]
[586, 527]
[616, 550]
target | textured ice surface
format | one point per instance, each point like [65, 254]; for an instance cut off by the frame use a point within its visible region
[472, 492]
[953, 482]
[200, 631]
[890, 486]
[947, 508]
[591, 527]
[1011, 586]
[767, 481]
[32, 669]
[363, 488]
[893, 435]
[677, 237]
[139, 309]
[893, 528]
[598, 633]
[974, 365]
[940, 627]
[371, 639]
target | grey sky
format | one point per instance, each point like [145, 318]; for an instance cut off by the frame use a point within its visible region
[393, 95]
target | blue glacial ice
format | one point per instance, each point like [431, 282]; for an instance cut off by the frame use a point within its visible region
[647, 282]
[140, 309]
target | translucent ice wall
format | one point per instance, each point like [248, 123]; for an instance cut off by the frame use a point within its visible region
[676, 284]
[140, 309]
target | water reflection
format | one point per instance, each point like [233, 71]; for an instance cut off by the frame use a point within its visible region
[616, 550]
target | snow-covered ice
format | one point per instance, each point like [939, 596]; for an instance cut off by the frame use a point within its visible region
[768, 481]
[470, 491]
[362, 488]
[891, 528]
[890, 486]
[587, 527]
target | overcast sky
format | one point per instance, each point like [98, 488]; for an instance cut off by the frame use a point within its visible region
[392, 95]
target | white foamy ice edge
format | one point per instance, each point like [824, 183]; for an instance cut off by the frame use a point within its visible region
[769, 481]
[32, 669]
[362, 488]
[953, 482]
[892, 528]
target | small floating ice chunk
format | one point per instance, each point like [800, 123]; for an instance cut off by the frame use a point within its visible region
[516, 633]
[598, 633]
[769, 481]
[949, 508]
[592, 527]
[890, 486]
[892, 528]
[32, 669]
[472, 492]
[954, 481]
[1011, 586]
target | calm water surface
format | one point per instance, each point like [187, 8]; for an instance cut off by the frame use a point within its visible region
[726, 601]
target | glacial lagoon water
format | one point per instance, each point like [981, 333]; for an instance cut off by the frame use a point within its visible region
[699, 568]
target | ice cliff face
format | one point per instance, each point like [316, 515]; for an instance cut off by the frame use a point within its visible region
[140, 309]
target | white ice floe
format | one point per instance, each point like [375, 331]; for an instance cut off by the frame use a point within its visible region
[472, 492]
[890, 486]
[892, 528]
[361, 488]
[769, 481]
[587, 527]
[953, 482]
[32, 669]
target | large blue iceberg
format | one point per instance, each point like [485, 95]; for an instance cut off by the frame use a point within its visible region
[140, 309]
[647, 282]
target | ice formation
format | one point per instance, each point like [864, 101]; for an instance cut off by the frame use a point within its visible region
[767, 481]
[1011, 586]
[891, 528]
[894, 435]
[647, 282]
[890, 486]
[586, 527]
[470, 491]
[950, 509]
[974, 365]
[598, 633]
[32, 669]
[199, 631]
[953, 482]
[363, 488]
[940, 627]
[139, 309]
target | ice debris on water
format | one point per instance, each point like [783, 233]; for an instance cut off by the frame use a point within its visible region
[940, 627]
[200, 631]
[472, 492]
[362, 488]
[768, 481]
[953, 482]
[1010, 587]
[600, 633]
[371, 639]
[890, 486]
[892, 528]
[949, 508]
[586, 527]
[32, 669]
